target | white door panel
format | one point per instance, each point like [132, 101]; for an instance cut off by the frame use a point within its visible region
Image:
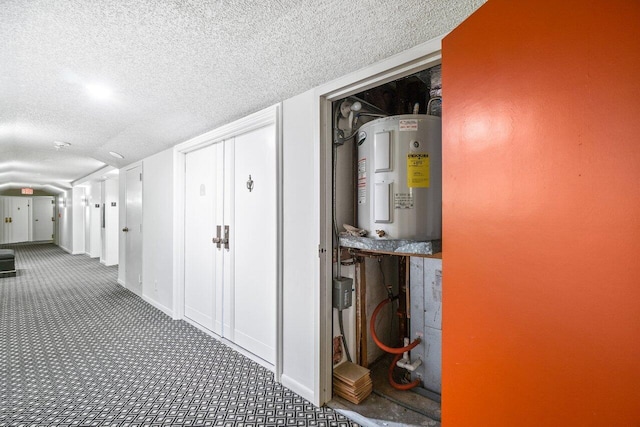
[201, 299]
[133, 223]
[21, 219]
[4, 226]
[232, 292]
[254, 243]
[43, 214]
[16, 219]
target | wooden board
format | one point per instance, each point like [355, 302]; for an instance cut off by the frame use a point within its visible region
[357, 399]
[337, 385]
[350, 373]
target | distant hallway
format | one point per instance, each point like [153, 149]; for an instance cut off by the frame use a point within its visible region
[76, 348]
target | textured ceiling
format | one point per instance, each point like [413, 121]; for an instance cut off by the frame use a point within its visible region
[176, 69]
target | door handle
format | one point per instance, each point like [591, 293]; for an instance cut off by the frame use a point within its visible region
[126, 229]
[225, 241]
[217, 240]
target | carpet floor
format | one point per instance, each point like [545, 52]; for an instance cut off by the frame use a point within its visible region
[78, 349]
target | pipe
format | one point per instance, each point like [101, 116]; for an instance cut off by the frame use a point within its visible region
[372, 330]
[396, 385]
[397, 351]
[435, 98]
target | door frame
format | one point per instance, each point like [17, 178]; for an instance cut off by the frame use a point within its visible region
[265, 117]
[421, 57]
[122, 241]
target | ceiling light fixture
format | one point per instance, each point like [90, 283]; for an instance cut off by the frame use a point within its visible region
[99, 91]
[116, 155]
[60, 144]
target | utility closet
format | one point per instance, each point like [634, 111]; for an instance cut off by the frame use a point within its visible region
[387, 220]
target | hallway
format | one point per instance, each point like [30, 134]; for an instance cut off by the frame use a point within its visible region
[79, 349]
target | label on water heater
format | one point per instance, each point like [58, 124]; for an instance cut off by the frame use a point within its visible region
[362, 181]
[403, 201]
[418, 170]
[408, 125]
[362, 195]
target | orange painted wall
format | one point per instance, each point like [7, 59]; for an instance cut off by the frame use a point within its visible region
[541, 209]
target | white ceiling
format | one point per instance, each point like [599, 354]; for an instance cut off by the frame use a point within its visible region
[176, 68]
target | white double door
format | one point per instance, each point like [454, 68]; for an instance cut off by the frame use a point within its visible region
[230, 194]
[16, 219]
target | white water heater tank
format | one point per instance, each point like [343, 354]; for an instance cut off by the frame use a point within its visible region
[399, 186]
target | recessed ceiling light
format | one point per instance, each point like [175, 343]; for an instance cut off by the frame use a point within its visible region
[60, 144]
[116, 155]
[99, 91]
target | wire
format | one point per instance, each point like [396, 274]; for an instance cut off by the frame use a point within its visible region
[344, 340]
[384, 280]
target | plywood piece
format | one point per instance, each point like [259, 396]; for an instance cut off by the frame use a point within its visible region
[350, 373]
[352, 382]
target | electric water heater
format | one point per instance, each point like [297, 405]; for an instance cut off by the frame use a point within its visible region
[399, 188]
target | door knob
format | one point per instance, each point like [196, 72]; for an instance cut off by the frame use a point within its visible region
[126, 229]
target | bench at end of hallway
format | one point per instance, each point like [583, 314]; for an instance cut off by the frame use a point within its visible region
[7, 262]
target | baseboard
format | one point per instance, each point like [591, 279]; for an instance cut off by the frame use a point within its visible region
[120, 281]
[232, 345]
[298, 388]
[65, 249]
[159, 306]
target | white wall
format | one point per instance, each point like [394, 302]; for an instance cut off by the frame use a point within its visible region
[78, 217]
[157, 230]
[65, 221]
[300, 245]
[112, 222]
[94, 197]
[303, 294]
[122, 214]
[87, 221]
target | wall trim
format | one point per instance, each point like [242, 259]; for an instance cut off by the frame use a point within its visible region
[156, 304]
[400, 65]
[232, 345]
[262, 118]
[297, 387]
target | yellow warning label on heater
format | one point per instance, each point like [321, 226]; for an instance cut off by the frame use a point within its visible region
[418, 170]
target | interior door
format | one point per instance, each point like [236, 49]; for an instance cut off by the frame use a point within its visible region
[43, 218]
[253, 249]
[132, 231]
[4, 226]
[19, 215]
[203, 213]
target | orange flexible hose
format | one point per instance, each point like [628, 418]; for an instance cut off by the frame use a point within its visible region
[396, 385]
[372, 330]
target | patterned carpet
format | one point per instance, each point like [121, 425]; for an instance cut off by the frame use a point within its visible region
[77, 349]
